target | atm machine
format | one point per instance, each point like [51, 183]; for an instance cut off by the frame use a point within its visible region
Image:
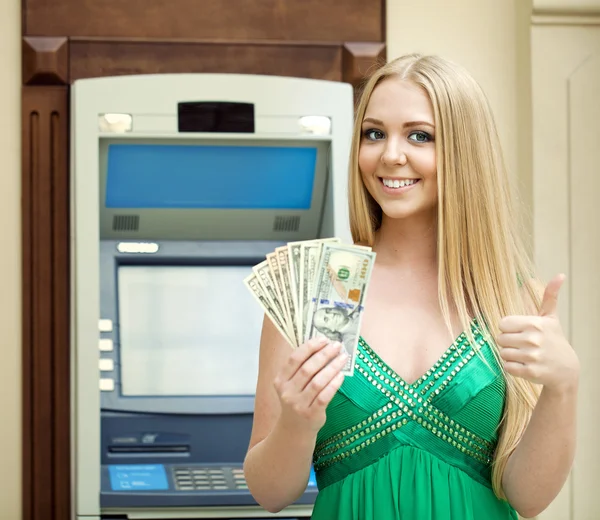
[180, 184]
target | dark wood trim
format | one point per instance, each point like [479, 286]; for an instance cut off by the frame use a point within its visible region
[383, 22]
[235, 20]
[46, 313]
[207, 41]
[97, 58]
[45, 61]
[359, 60]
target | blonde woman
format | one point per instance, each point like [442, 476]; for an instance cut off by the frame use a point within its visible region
[462, 404]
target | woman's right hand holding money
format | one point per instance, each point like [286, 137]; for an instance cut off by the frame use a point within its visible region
[308, 382]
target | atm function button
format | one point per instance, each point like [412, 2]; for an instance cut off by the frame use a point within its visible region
[107, 385]
[106, 365]
[186, 488]
[105, 345]
[105, 325]
[202, 487]
[219, 487]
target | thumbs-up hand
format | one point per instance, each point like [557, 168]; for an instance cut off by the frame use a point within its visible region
[535, 348]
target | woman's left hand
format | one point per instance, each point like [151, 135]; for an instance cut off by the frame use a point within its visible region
[535, 347]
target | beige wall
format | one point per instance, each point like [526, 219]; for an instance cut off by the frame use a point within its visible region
[566, 159]
[10, 260]
[481, 35]
[491, 39]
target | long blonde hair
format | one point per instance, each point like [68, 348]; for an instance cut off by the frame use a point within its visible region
[483, 267]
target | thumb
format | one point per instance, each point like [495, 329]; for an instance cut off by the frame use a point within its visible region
[549, 304]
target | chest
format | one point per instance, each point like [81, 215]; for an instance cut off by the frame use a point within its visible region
[404, 325]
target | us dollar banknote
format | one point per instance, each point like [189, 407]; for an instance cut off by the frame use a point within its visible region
[280, 289]
[294, 268]
[263, 273]
[261, 297]
[337, 303]
[310, 252]
[283, 260]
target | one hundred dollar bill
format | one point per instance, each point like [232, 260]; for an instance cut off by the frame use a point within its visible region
[337, 302]
[261, 297]
[310, 251]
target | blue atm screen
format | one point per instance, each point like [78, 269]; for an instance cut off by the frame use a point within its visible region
[138, 477]
[201, 176]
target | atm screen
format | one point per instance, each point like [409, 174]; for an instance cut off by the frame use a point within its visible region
[187, 331]
[209, 176]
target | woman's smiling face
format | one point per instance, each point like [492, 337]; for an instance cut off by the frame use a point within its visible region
[397, 158]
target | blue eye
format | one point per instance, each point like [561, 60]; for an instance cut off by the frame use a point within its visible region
[420, 137]
[373, 135]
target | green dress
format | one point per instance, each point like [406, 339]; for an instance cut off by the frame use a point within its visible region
[392, 450]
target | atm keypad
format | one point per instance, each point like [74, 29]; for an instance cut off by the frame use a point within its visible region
[209, 478]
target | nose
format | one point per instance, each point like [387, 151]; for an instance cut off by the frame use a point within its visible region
[393, 154]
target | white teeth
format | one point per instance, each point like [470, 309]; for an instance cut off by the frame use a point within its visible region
[398, 184]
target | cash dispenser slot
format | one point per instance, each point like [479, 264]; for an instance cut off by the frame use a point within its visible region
[150, 450]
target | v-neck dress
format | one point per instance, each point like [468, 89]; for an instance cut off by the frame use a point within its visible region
[390, 450]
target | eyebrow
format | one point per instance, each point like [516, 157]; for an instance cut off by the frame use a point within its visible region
[407, 124]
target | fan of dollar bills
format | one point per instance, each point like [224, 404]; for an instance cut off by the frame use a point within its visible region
[315, 288]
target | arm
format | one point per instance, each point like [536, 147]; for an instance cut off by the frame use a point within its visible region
[534, 348]
[293, 390]
[539, 467]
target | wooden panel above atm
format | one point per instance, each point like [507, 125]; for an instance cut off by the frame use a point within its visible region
[306, 20]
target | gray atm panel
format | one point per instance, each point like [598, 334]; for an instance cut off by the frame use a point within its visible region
[175, 450]
[184, 461]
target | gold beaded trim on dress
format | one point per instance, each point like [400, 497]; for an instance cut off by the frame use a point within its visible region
[407, 403]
